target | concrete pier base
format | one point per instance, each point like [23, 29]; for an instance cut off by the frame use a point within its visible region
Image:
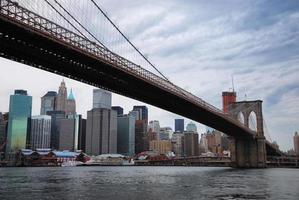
[248, 153]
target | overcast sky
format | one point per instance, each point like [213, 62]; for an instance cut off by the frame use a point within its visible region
[199, 45]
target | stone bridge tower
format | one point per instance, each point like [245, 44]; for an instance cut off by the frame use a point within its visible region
[249, 152]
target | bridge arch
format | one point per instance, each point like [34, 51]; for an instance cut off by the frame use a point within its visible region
[252, 121]
[241, 117]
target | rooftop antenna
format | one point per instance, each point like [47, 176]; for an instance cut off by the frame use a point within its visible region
[233, 83]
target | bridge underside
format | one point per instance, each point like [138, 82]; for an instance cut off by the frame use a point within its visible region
[41, 51]
[37, 49]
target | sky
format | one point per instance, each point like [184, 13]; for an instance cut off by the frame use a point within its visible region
[199, 45]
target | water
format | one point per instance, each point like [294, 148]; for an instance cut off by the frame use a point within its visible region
[148, 183]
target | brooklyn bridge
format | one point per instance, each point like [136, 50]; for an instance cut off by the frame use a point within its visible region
[51, 35]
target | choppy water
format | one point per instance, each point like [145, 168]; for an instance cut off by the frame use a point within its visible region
[148, 183]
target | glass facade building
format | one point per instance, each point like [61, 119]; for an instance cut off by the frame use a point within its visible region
[20, 107]
[179, 125]
[126, 135]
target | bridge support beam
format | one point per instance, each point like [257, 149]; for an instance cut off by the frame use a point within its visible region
[248, 153]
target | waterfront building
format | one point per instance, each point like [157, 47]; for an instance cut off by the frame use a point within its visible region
[160, 146]
[56, 117]
[228, 97]
[40, 132]
[118, 109]
[48, 102]
[152, 135]
[217, 142]
[296, 143]
[101, 131]
[155, 126]
[177, 143]
[191, 127]
[3, 133]
[141, 139]
[80, 133]
[179, 125]
[190, 143]
[203, 144]
[126, 135]
[66, 134]
[20, 106]
[61, 99]
[71, 104]
[101, 99]
[165, 133]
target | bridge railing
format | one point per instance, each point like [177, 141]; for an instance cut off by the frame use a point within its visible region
[21, 15]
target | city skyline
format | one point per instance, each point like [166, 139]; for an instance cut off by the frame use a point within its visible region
[252, 53]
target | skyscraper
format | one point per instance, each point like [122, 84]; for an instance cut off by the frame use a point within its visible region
[143, 112]
[154, 125]
[20, 106]
[48, 102]
[61, 99]
[101, 131]
[56, 117]
[3, 133]
[126, 135]
[67, 134]
[296, 143]
[190, 144]
[101, 99]
[179, 125]
[227, 99]
[118, 109]
[71, 104]
[40, 132]
[191, 127]
[177, 143]
[141, 138]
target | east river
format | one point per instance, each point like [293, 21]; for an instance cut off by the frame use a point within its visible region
[147, 183]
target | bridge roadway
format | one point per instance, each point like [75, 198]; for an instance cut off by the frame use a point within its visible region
[31, 39]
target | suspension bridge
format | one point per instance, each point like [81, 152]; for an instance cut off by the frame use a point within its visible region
[79, 40]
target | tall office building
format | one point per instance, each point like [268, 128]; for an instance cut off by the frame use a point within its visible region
[61, 99]
[190, 144]
[67, 134]
[177, 143]
[48, 102]
[101, 99]
[143, 112]
[126, 135]
[3, 133]
[101, 131]
[296, 143]
[118, 109]
[71, 104]
[141, 139]
[20, 106]
[191, 127]
[227, 99]
[154, 125]
[179, 125]
[40, 132]
[165, 133]
[80, 144]
[56, 117]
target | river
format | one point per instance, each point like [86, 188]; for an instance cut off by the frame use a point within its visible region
[144, 183]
